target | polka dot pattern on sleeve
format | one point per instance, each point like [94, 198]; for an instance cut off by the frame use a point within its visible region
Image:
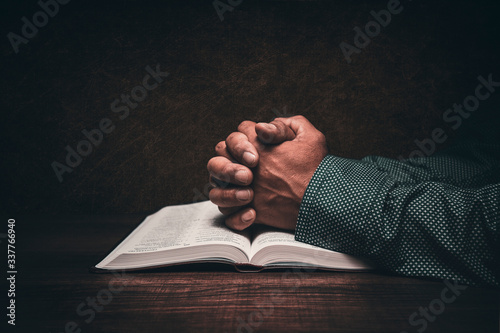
[435, 217]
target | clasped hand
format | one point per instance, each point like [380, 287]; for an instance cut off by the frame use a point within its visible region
[261, 172]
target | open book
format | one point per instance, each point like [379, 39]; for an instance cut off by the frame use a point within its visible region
[197, 233]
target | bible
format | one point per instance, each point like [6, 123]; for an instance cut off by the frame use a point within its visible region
[196, 233]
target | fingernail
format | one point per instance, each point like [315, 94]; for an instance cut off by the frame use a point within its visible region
[241, 176]
[249, 158]
[247, 216]
[243, 195]
[270, 127]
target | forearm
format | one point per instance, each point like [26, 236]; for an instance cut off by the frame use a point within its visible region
[419, 218]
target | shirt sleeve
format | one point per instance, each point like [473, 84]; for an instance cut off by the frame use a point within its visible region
[435, 217]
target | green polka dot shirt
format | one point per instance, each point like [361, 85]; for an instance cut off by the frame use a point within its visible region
[435, 217]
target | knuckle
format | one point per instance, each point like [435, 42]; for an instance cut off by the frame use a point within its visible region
[231, 136]
[281, 128]
[233, 139]
[217, 196]
[220, 146]
[244, 125]
[236, 143]
[320, 138]
[227, 170]
[227, 197]
[212, 195]
[239, 147]
[210, 165]
[278, 124]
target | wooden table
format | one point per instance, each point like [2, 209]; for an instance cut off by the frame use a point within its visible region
[54, 289]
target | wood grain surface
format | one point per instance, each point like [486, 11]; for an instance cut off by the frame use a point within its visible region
[54, 280]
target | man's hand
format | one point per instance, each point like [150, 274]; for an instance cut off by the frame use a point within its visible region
[283, 156]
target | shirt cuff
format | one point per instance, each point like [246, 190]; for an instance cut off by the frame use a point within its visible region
[340, 204]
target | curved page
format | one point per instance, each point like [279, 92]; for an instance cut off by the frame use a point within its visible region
[174, 228]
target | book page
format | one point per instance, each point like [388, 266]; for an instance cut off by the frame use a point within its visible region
[271, 246]
[267, 236]
[183, 226]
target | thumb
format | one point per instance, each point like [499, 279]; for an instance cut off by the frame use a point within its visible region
[275, 132]
[299, 125]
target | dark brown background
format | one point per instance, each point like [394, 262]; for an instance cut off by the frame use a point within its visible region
[265, 55]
